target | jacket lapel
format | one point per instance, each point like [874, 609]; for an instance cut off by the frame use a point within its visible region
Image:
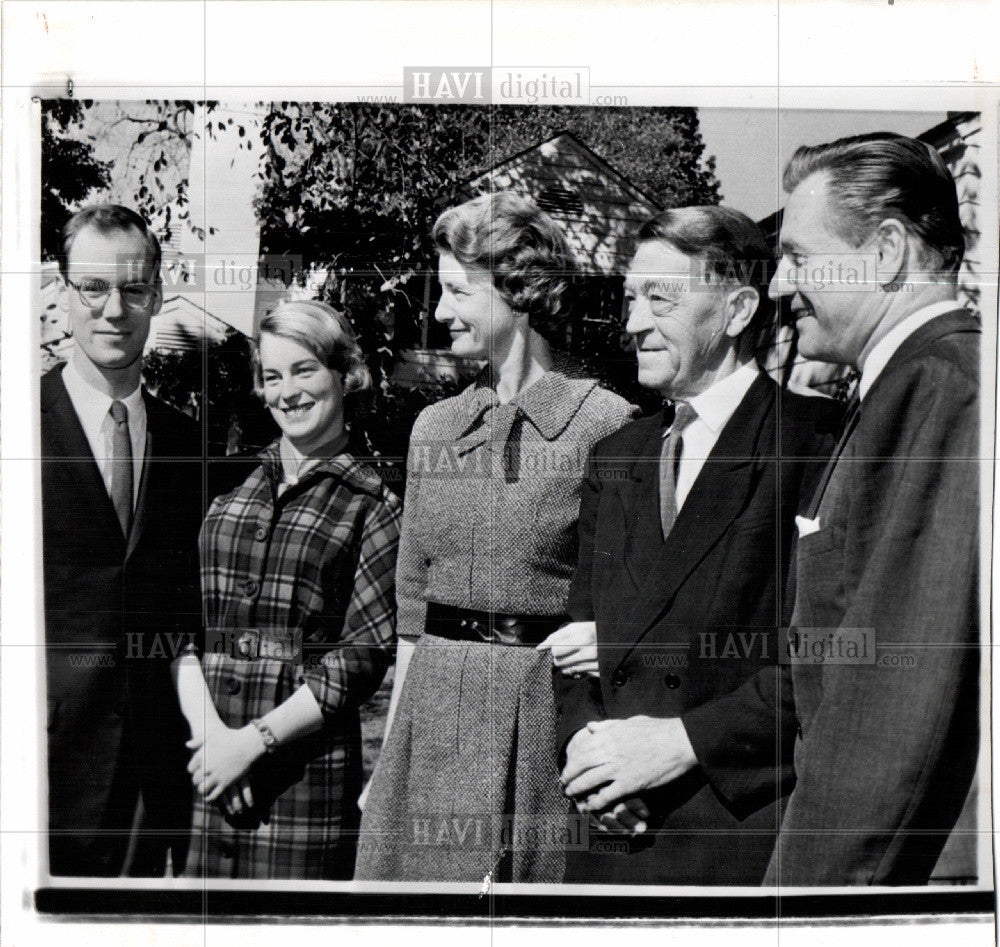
[718, 495]
[139, 516]
[67, 442]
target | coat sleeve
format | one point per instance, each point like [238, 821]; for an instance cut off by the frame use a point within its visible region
[744, 740]
[411, 564]
[350, 673]
[578, 697]
[880, 744]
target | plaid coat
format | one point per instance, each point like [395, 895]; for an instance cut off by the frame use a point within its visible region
[297, 589]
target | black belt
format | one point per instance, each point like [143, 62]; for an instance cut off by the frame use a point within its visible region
[466, 624]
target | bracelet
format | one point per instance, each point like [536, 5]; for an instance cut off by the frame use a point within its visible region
[266, 735]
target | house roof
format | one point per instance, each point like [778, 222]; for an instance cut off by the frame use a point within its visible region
[599, 207]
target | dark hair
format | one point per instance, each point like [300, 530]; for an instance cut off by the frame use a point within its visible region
[730, 246]
[881, 175]
[108, 218]
[525, 251]
[326, 333]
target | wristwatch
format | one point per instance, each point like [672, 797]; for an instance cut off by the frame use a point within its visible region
[266, 735]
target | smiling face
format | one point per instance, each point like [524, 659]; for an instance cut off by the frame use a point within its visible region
[832, 284]
[481, 323]
[679, 324]
[305, 397]
[110, 336]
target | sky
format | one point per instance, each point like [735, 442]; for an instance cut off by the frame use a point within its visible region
[751, 146]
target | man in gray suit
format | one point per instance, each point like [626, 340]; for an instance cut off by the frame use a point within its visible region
[884, 640]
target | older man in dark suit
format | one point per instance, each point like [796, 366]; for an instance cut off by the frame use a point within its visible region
[884, 642]
[121, 507]
[685, 533]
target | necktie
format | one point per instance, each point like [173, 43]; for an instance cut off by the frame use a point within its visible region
[851, 418]
[669, 458]
[121, 466]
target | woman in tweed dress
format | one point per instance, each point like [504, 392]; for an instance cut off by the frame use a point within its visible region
[467, 784]
[297, 572]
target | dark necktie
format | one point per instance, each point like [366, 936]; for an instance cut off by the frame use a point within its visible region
[669, 460]
[851, 418]
[121, 466]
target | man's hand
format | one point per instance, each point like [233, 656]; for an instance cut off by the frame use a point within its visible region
[220, 758]
[573, 648]
[612, 760]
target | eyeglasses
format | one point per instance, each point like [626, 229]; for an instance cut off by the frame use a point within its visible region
[94, 293]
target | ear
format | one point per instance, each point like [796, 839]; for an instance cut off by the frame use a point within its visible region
[62, 295]
[891, 240]
[741, 304]
[158, 300]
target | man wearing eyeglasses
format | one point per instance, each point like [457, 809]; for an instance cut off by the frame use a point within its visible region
[121, 506]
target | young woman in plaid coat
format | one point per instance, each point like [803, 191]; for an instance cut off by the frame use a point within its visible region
[297, 569]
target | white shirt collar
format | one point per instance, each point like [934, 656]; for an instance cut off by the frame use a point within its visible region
[92, 406]
[716, 405]
[887, 347]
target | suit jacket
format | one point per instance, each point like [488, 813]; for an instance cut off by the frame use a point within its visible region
[688, 627]
[890, 739]
[116, 614]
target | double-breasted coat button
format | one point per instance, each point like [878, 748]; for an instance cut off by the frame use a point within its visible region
[250, 588]
[233, 686]
[260, 534]
[672, 681]
[619, 678]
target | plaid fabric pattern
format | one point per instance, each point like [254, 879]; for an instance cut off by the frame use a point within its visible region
[297, 589]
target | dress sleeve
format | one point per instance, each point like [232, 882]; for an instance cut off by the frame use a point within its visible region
[411, 564]
[352, 671]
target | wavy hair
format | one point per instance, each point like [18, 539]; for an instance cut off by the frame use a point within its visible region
[526, 252]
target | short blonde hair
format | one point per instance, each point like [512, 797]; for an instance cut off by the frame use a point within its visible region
[323, 331]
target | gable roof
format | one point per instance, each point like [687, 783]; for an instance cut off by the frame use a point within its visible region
[600, 209]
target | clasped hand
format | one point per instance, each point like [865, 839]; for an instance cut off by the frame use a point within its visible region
[220, 761]
[611, 762]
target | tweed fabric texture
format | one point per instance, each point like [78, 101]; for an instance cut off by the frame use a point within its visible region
[493, 495]
[311, 572]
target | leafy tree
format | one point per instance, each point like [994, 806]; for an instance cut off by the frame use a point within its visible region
[70, 171]
[660, 150]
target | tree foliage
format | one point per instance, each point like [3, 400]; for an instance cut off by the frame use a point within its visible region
[70, 171]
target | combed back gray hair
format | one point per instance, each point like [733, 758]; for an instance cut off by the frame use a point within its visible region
[326, 333]
[881, 175]
[525, 251]
[729, 245]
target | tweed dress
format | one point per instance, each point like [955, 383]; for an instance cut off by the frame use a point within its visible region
[307, 574]
[467, 782]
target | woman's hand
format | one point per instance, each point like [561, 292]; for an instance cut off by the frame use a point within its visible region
[221, 757]
[573, 648]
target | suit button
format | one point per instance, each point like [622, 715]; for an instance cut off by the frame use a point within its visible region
[260, 534]
[233, 686]
[250, 588]
[473, 625]
[464, 624]
[672, 681]
[619, 678]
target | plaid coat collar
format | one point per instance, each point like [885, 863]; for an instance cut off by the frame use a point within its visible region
[549, 404]
[357, 476]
